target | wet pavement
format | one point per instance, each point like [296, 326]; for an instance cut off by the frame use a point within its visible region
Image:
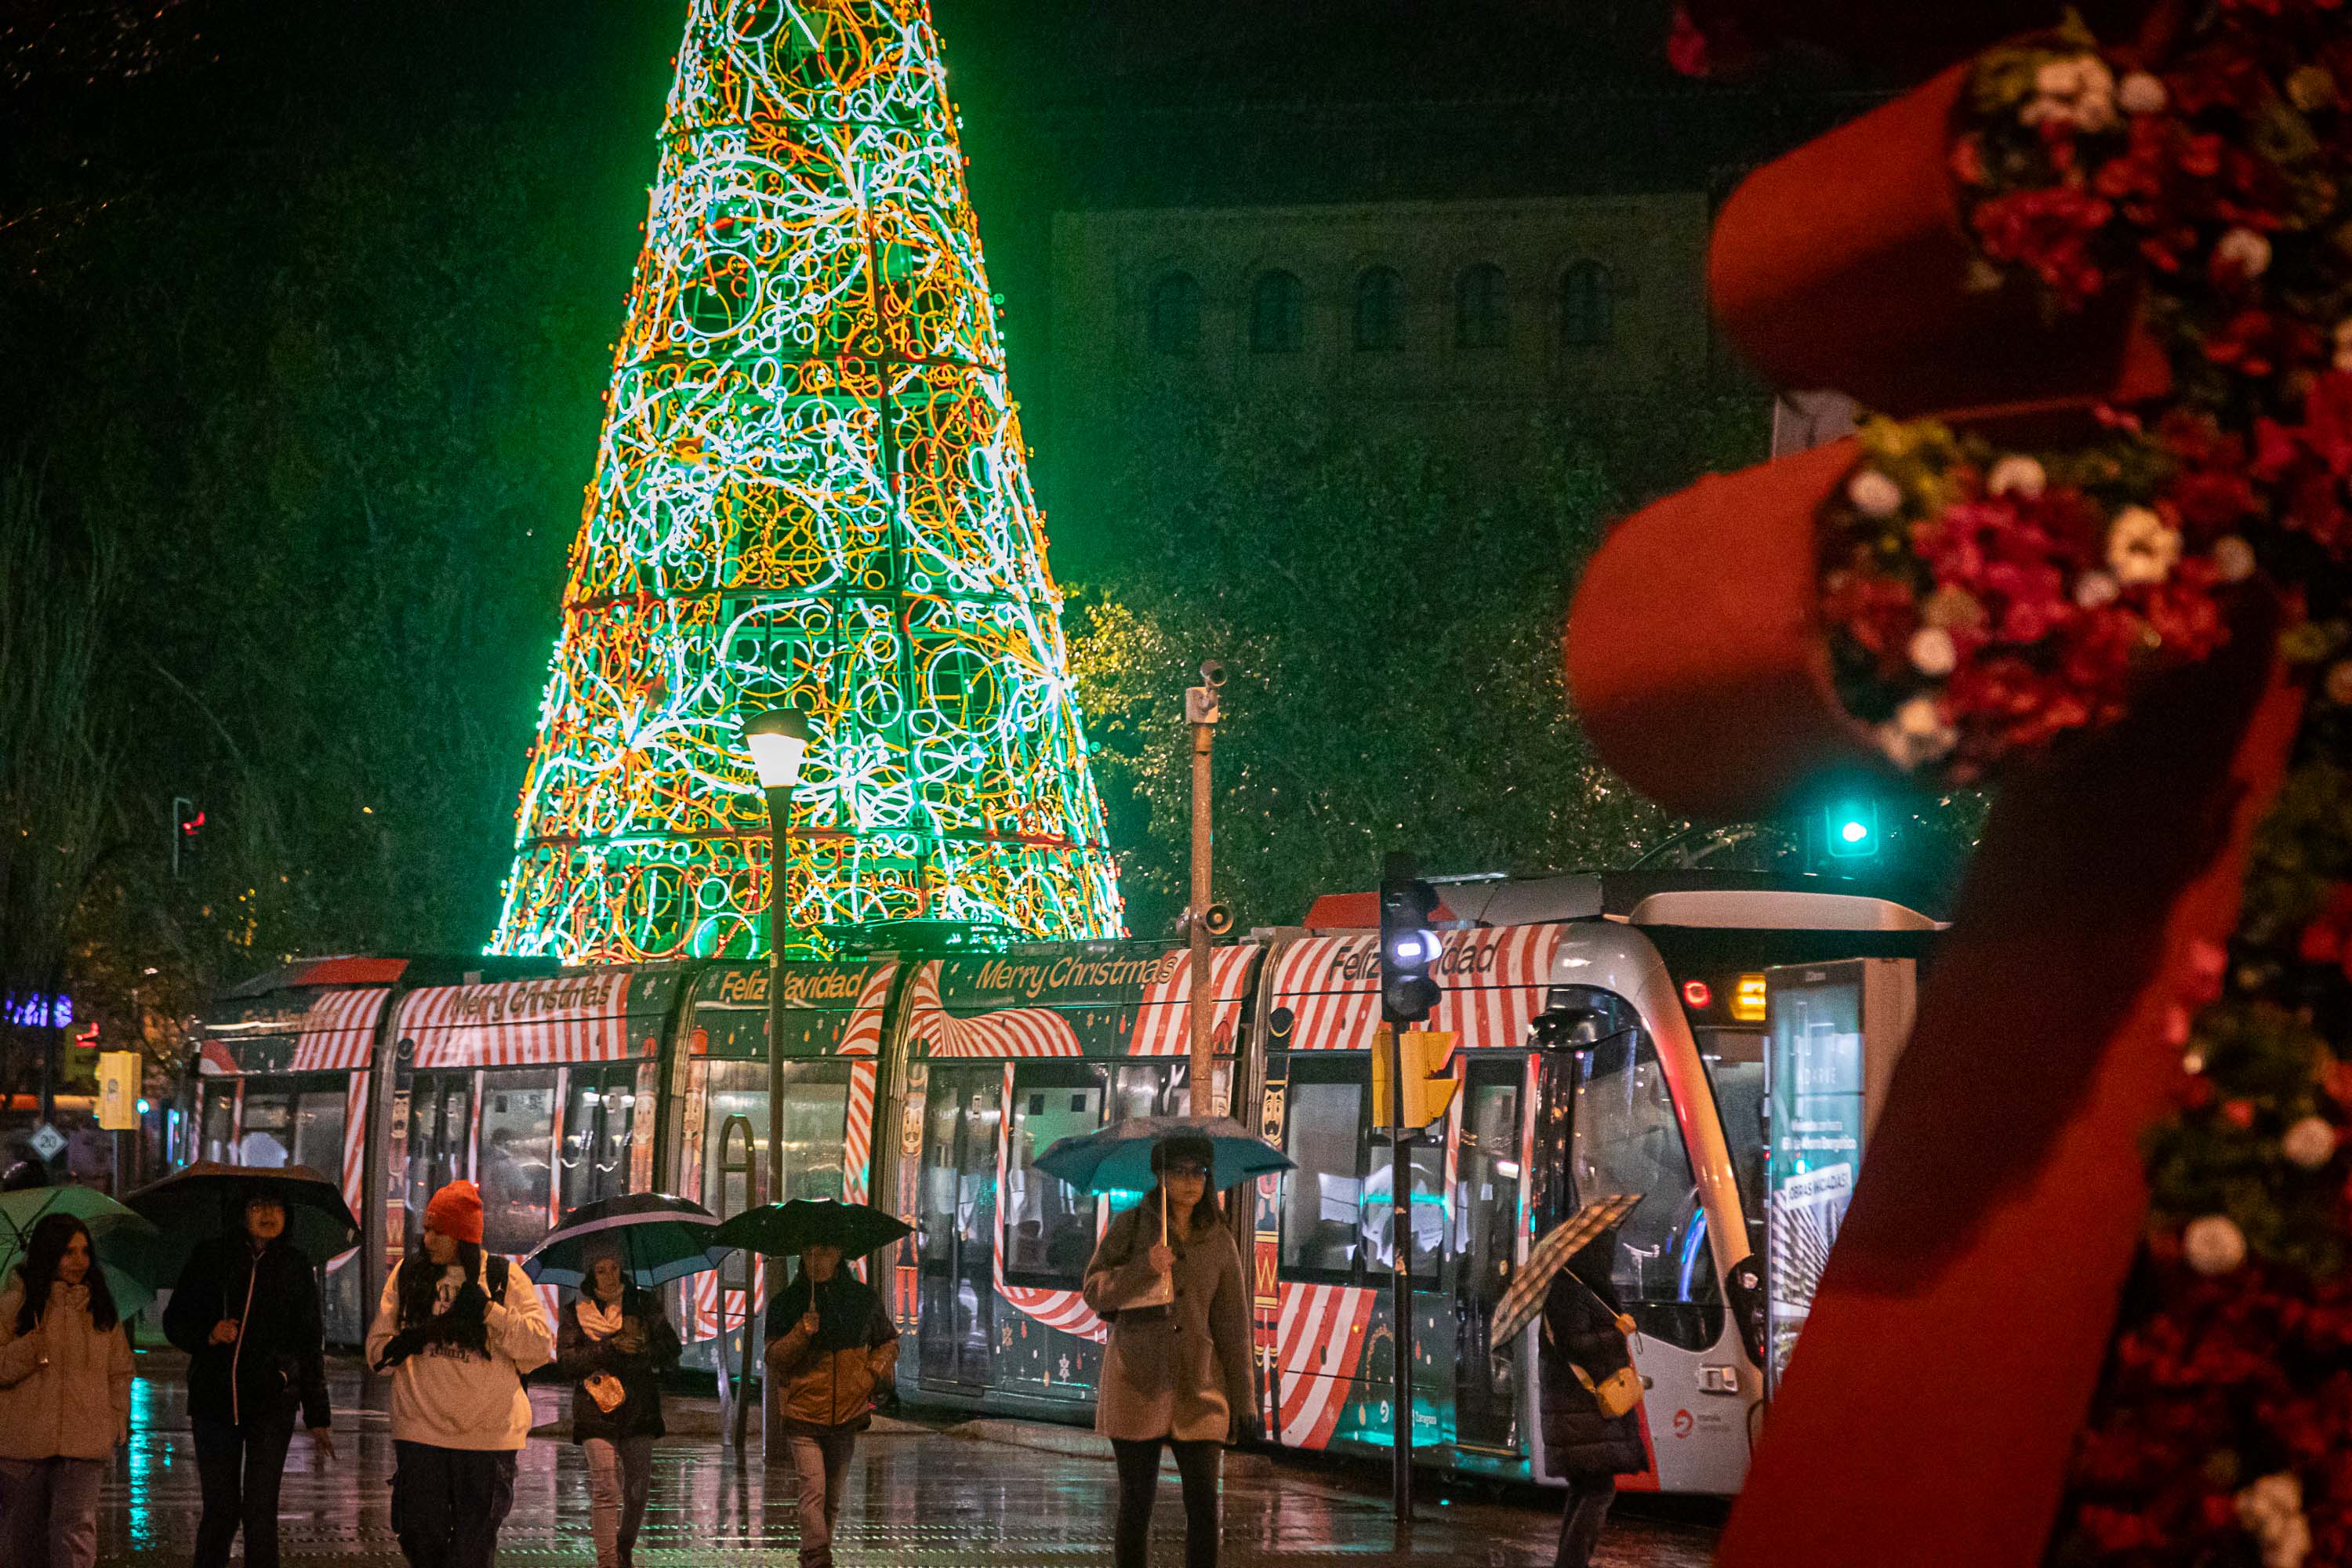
[997, 1494]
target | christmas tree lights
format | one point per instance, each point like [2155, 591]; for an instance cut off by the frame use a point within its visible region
[812, 490]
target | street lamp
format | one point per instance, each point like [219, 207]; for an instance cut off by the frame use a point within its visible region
[778, 739]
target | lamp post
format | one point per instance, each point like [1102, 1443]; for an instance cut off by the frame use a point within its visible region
[778, 739]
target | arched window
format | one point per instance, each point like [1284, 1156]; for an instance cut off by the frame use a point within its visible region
[1274, 313]
[1175, 314]
[1376, 310]
[1478, 307]
[1585, 304]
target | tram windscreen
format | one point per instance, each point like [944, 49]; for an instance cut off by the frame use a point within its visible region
[1628, 1140]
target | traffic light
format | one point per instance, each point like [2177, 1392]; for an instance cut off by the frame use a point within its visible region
[1409, 948]
[1429, 1082]
[187, 834]
[1849, 829]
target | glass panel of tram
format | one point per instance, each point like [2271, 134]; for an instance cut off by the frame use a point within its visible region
[1488, 1213]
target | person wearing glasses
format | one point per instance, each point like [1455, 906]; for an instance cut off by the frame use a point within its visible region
[1176, 1369]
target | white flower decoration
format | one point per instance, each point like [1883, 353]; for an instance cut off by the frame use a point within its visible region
[2270, 1511]
[2343, 343]
[2140, 548]
[2338, 684]
[2079, 90]
[2245, 250]
[2142, 92]
[2093, 590]
[2309, 1143]
[1918, 734]
[1874, 494]
[2016, 475]
[2233, 558]
[1932, 651]
[2213, 1245]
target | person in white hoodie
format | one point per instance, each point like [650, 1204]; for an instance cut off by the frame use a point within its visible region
[458, 1330]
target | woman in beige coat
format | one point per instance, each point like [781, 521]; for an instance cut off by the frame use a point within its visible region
[1176, 1367]
[65, 1397]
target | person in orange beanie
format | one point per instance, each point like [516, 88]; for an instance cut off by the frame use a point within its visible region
[457, 1330]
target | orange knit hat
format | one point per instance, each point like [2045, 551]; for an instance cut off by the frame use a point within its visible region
[457, 1210]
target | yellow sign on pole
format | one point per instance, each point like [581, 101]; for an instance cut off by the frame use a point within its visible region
[118, 1091]
[1429, 1085]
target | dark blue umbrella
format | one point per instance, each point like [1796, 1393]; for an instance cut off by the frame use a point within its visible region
[659, 1238]
[1118, 1158]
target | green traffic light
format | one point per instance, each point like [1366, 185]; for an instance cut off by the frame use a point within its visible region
[1849, 829]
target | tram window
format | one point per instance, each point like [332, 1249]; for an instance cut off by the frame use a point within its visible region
[319, 1115]
[1427, 1207]
[597, 1124]
[1164, 1089]
[266, 1138]
[737, 1090]
[220, 1121]
[1049, 1225]
[1627, 1141]
[816, 1118]
[1735, 1064]
[1322, 1198]
[514, 1163]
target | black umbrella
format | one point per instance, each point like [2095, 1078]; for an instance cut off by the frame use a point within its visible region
[780, 1230]
[658, 1237]
[207, 1199]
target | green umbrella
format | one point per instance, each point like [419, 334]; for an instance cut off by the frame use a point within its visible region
[122, 1239]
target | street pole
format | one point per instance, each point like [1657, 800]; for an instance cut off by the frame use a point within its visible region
[1203, 709]
[1197, 928]
[778, 739]
[1401, 1299]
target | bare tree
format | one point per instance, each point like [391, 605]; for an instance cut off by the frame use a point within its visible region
[57, 756]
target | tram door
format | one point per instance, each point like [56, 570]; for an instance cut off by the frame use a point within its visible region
[440, 1139]
[1490, 1207]
[966, 1112]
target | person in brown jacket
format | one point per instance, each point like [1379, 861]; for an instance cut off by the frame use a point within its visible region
[65, 1397]
[830, 1345]
[1176, 1369]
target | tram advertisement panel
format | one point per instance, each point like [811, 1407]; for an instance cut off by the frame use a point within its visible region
[1816, 1070]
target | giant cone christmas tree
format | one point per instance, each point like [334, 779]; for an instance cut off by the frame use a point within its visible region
[812, 490]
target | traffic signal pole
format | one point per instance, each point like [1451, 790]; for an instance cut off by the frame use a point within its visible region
[1203, 709]
[1409, 949]
[1401, 1298]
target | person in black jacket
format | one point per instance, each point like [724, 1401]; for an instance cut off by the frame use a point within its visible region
[247, 1312]
[1583, 1446]
[613, 1344]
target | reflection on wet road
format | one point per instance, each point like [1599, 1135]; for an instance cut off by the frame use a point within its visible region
[916, 1495]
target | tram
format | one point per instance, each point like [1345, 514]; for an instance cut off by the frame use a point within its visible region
[1613, 1033]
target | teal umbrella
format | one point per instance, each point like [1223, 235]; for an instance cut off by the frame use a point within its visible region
[124, 1242]
[1118, 1158]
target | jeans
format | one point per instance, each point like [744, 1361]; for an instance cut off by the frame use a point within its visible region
[620, 1476]
[51, 1512]
[1138, 1485]
[822, 1464]
[240, 1468]
[447, 1503]
[1589, 1497]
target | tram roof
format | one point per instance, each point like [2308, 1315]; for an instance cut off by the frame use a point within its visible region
[1753, 901]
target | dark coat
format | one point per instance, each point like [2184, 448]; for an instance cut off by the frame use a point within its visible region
[1579, 1332]
[278, 1357]
[579, 1357]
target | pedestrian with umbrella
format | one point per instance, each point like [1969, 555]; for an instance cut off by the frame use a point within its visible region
[1587, 1391]
[247, 1312]
[64, 1396]
[831, 1344]
[614, 1342]
[1167, 1279]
